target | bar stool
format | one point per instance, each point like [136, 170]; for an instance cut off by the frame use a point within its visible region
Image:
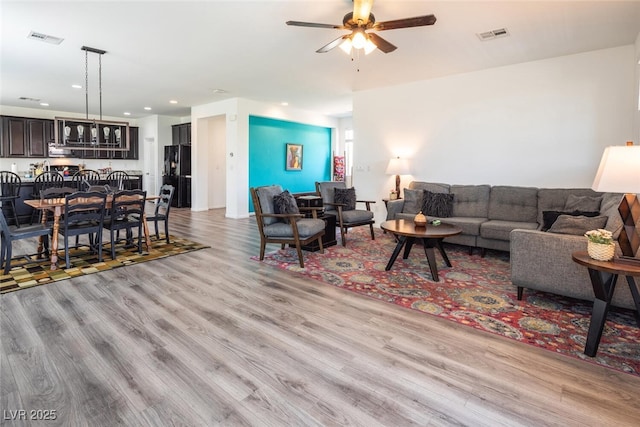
[10, 184]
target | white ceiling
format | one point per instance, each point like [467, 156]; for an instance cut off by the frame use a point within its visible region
[163, 50]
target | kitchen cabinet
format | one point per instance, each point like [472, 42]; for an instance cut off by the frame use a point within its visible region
[181, 134]
[134, 147]
[25, 137]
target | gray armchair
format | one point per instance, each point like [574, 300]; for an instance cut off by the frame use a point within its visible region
[283, 228]
[347, 215]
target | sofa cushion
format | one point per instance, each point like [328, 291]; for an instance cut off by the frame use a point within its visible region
[583, 203]
[265, 197]
[577, 225]
[554, 199]
[439, 205]
[609, 208]
[500, 229]
[346, 197]
[434, 187]
[285, 203]
[519, 204]
[549, 217]
[306, 227]
[470, 200]
[412, 201]
[469, 225]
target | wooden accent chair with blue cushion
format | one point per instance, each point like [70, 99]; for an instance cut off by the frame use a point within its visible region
[8, 235]
[161, 212]
[284, 227]
[341, 201]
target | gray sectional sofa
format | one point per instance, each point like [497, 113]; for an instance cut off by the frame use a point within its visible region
[511, 218]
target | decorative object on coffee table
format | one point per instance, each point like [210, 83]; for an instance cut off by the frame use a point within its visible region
[398, 167]
[600, 245]
[619, 172]
[420, 220]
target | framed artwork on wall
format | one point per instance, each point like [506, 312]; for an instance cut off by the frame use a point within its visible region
[293, 158]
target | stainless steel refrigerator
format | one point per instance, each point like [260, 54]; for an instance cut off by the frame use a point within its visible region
[177, 172]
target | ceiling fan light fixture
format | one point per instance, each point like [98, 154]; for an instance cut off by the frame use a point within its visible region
[359, 39]
[346, 45]
[369, 47]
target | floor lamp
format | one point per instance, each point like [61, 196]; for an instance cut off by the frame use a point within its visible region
[619, 172]
[398, 167]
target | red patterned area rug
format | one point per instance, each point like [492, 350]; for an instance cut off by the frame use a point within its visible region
[476, 292]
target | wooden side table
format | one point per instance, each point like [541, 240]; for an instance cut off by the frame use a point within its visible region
[604, 275]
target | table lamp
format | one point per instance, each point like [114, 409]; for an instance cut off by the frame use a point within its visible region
[398, 167]
[619, 172]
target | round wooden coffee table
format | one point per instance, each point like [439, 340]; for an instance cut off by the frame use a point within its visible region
[431, 237]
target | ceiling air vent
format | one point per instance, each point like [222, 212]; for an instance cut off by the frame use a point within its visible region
[44, 38]
[493, 34]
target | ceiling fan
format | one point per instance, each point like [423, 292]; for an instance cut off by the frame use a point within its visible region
[361, 20]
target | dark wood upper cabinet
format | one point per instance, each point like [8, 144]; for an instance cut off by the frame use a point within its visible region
[181, 134]
[14, 137]
[37, 143]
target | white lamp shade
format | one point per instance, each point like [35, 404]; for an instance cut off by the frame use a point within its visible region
[398, 166]
[619, 170]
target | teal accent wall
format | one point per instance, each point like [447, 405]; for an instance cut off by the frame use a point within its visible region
[268, 139]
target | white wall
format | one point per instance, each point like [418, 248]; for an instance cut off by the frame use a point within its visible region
[236, 112]
[636, 132]
[217, 162]
[543, 124]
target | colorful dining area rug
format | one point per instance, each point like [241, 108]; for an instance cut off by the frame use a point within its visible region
[28, 271]
[476, 292]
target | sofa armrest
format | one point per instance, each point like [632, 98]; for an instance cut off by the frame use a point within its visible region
[394, 207]
[542, 261]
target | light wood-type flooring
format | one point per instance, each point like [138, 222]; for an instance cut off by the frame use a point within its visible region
[213, 338]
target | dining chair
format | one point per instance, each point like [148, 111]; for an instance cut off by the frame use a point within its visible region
[8, 235]
[341, 202]
[10, 184]
[47, 179]
[85, 178]
[284, 228]
[161, 211]
[126, 213]
[84, 214]
[119, 180]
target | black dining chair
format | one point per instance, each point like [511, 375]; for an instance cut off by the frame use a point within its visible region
[119, 180]
[8, 235]
[85, 178]
[126, 213]
[47, 179]
[84, 214]
[10, 184]
[161, 212]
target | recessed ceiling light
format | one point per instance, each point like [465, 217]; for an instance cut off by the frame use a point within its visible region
[284, 104]
[173, 101]
[147, 108]
[219, 91]
[126, 113]
[44, 104]
[76, 86]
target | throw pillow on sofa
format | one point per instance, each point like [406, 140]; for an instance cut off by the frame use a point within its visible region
[549, 217]
[577, 225]
[285, 203]
[583, 203]
[412, 201]
[439, 205]
[346, 197]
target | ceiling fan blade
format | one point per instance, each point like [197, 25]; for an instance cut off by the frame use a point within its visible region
[362, 10]
[381, 43]
[418, 21]
[315, 25]
[327, 47]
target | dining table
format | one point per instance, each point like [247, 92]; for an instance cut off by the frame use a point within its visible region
[56, 206]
